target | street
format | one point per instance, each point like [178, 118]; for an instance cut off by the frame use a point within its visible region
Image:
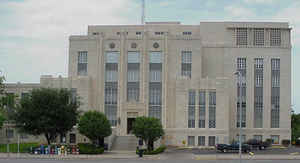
[142, 160]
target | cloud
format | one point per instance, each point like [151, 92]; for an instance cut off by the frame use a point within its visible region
[44, 27]
[259, 1]
[291, 14]
[235, 11]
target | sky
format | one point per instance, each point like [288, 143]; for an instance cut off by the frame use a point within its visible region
[34, 33]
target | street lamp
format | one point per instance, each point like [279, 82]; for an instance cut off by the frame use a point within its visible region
[239, 78]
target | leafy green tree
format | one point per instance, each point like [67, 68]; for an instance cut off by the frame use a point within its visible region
[2, 119]
[148, 129]
[95, 126]
[295, 126]
[2, 79]
[47, 111]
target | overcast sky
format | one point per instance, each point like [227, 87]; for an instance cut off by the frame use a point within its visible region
[34, 33]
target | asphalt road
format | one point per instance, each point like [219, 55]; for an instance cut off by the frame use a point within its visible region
[142, 160]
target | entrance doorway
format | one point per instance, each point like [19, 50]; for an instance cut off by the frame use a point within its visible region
[130, 122]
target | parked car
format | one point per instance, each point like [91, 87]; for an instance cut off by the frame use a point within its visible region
[232, 147]
[257, 144]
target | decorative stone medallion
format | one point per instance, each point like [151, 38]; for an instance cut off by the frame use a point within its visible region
[112, 45]
[156, 45]
[133, 45]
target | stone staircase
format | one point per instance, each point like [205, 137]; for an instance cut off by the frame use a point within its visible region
[125, 143]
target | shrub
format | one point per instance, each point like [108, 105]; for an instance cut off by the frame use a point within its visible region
[297, 142]
[154, 152]
[87, 148]
[286, 142]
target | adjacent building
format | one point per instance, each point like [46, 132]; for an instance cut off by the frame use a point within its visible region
[184, 76]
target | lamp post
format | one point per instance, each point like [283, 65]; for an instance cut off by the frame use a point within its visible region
[239, 78]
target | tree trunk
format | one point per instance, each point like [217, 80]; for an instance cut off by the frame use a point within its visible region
[150, 145]
[101, 142]
[48, 138]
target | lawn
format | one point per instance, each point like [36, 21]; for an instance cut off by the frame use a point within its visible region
[13, 148]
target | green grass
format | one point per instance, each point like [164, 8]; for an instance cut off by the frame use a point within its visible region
[13, 148]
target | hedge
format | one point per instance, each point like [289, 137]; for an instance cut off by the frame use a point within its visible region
[154, 152]
[87, 148]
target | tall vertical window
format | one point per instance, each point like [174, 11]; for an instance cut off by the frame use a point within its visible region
[202, 112]
[186, 63]
[211, 141]
[82, 63]
[241, 67]
[133, 76]
[275, 93]
[241, 36]
[212, 110]
[191, 140]
[72, 138]
[155, 84]
[259, 37]
[191, 109]
[275, 37]
[258, 92]
[275, 139]
[201, 140]
[111, 86]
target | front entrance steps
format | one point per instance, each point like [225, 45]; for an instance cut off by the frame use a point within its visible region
[125, 143]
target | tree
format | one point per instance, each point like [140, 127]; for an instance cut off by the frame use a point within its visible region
[148, 129]
[95, 126]
[2, 79]
[2, 119]
[47, 111]
[295, 124]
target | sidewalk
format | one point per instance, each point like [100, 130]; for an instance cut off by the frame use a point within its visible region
[246, 157]
[105, 155]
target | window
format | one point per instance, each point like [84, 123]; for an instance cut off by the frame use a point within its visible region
[155, 57]
[186, 63]
[112, 57]
[202, 100]
[133, 57]
[191, 140]
[201, 140]
[275, 139]
[212, 110]
[95, 33]
[63, 138]
[238, 138]
[187, 33]
[241, 36]
[111, 113]
[241, 67]
[155, 100]
[118, 33]
[258, 92]
[191, 109]
[72, 138]
[211, 141]
[275, 93]
[259, 37]
[24, 94]
[258, 137]
[138, 33]
[275, 37]
[73, 94]
[82, 63]
[9, 133]
[133, 91]
[158, 33]
[155, 75]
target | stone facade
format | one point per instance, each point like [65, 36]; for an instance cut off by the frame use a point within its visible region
[214, 49]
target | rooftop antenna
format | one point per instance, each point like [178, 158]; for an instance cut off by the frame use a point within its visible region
[143, 12]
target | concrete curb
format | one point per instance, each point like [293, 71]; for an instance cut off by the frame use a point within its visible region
[247, 157]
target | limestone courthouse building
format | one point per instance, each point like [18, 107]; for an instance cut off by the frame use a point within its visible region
[185, 76]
